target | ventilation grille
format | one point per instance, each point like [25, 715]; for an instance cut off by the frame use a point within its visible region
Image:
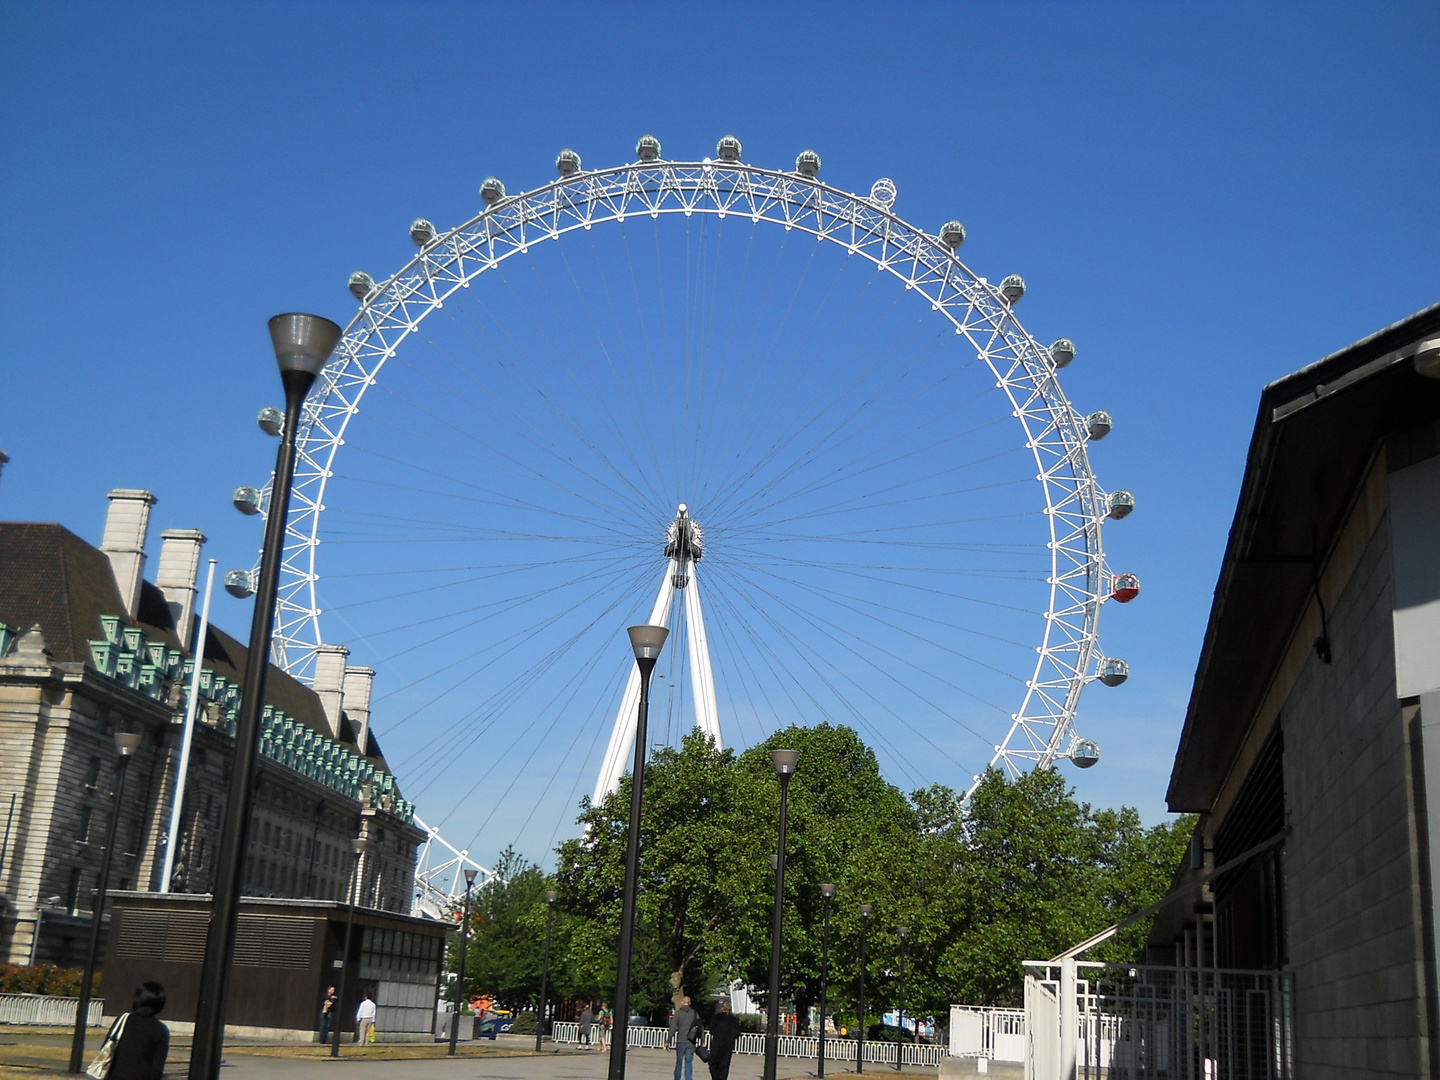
[274, 941]
[176, 937]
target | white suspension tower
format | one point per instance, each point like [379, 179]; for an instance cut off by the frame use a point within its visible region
[684, 545]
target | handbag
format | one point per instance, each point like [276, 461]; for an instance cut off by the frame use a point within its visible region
[702, 1052]
[100, 1067]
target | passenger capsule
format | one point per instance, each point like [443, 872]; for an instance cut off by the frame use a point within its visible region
[1062, 351]
[728, 149]
[271, 420]
[238, 584]
[952, 234]
[568, 163]
[361, 285]
[1085, 754]
[1427, 358]
[422, 232]
[882, 193]
[246, 500]
[492, 191]
[808, 163]
[648, 148]
[1098, 424]
[1012, 288]
[1121, 504]
[1114, 671]
[1124, 587]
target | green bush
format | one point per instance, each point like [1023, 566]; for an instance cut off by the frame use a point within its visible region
[753, 1023]
[44, 979]
[524, 1024]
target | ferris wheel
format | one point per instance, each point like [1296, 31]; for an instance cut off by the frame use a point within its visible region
[692, 371]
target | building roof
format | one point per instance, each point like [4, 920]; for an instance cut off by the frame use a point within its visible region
[1315, 437]
[52, 577]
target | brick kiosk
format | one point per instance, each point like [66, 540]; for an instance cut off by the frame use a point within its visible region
[286, 954]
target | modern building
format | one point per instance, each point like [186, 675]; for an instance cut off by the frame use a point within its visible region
[89, 647]
[1311, 745]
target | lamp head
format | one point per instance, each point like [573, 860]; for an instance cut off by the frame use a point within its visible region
[784, 761]
[360, 844]
[127, 742]
[827, 890]
[647, 641]
[866, 910]
[774, 860]
[903, 931]
[470, 872]
[303, 342]
[551, 896]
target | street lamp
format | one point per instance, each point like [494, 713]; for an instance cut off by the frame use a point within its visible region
[646, 641]
[904, 932]
[827, 890]
[550, 898]
[358, 845]
[865, 911]
[459, 995]
[302, 345]
[784, 761]
[126, 743]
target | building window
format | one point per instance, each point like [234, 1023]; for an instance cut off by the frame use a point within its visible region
[265, 835]
[82, 831]
[137, 829]
[72, 890]
[92, 773]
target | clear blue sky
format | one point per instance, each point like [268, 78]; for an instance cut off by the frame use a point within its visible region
[1204, 197]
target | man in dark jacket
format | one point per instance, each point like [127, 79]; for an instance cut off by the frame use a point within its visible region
[724, 1030]
[685, 1028]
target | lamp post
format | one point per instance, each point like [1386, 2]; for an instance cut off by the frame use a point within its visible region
[865, 910]
[459, 995]
[784, 761]
[827, 890]
[646, 641]
[550, 898]
[302, 345]
[904, 932]
[126, 743]
[358, 845]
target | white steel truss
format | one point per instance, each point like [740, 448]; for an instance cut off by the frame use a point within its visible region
[1068, 656]
[439, 880]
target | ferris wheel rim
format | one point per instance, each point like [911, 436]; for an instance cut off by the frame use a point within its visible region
[1055, 432]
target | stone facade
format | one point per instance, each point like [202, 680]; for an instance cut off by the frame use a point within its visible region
[80, 660]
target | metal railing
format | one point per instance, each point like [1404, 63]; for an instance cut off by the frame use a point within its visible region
[790, 1046]
[42, 1010]
[996, 1034]
[1133, 1022]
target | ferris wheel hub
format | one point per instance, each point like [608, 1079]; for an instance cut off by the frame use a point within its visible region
[684, 539]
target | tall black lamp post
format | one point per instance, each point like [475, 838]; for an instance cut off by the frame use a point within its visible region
[358, 846]
[784, 761]
[126, 743]
[550, 898]
[647, 641]
[302, 345]
[904, 932]
[865, 910]
[827, 890]
[458, 998]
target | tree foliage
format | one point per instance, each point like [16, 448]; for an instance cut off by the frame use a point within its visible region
[1021, 871]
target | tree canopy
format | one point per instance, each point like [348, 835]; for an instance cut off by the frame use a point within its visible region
[1021, 871]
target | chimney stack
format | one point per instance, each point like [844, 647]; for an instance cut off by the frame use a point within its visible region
[126, 524]
[329, 683]
[176, 576]
[357, 700]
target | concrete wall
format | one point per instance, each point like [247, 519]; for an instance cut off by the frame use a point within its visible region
[1352, 869]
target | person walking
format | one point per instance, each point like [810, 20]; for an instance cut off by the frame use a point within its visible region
[365, 1019]
[724, 1030]
[327, 1014]
[587, 1021]
[605, 1017]
[144, 1041]
[685, 1027]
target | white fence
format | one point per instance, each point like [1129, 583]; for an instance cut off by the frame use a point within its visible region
[997, 1034]
[41, 1010]
[790, 1046]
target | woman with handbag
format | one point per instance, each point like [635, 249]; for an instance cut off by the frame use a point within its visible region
[138, 1043]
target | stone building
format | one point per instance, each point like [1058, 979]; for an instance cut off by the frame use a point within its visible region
[89, 647]
[1311, 745]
